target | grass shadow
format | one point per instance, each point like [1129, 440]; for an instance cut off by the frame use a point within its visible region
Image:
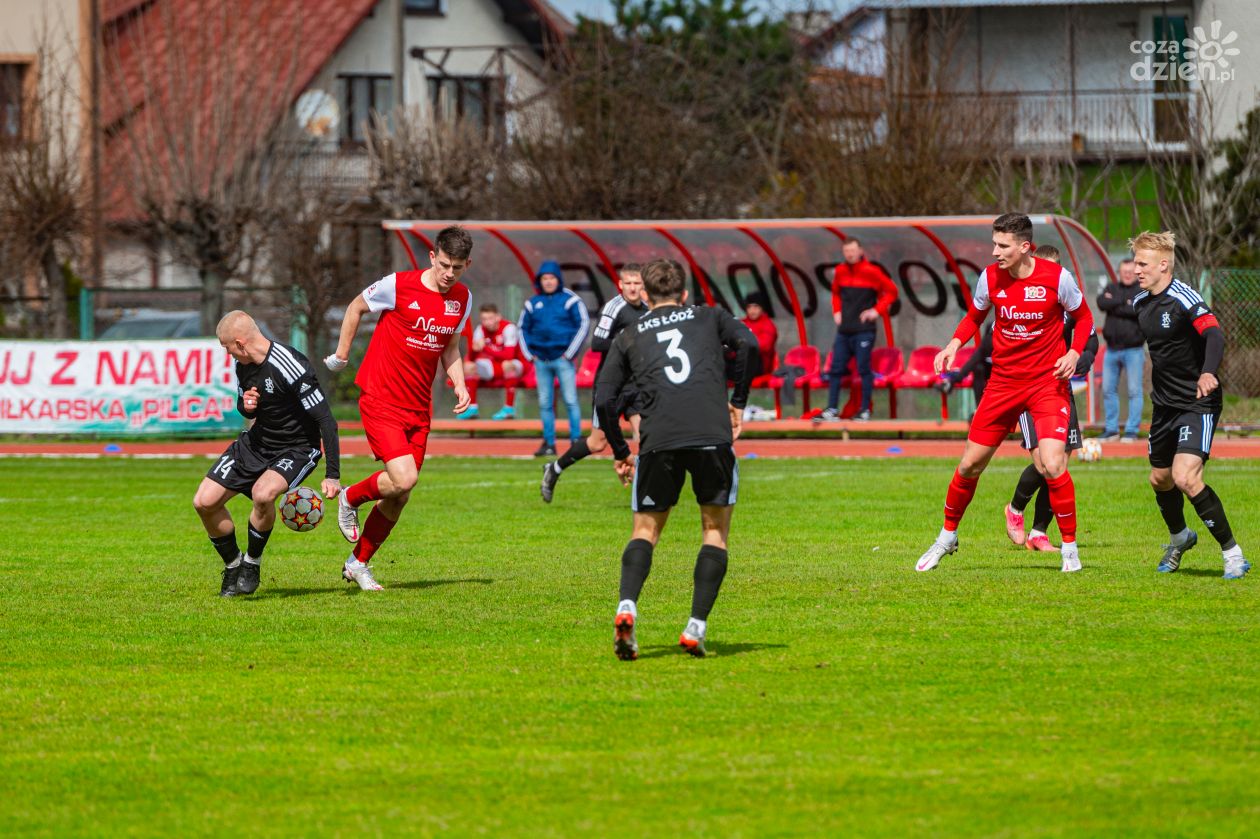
[716, 651]
[421, 584]
[1196, 572]
[346, 588]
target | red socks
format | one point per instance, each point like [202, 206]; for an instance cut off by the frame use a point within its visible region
[471, 384]
[368, 489]
[375, 531]
[961, 491]
[509, 397]
[1063, 502]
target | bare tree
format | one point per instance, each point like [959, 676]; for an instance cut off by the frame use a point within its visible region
[43, 209]
[425, 170]
[203, 93]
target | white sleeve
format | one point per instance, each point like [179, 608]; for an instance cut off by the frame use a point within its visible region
[1070, 296]
[980, 294]
[459, 330]
[511, 335]
[381, 295]
[479, 334]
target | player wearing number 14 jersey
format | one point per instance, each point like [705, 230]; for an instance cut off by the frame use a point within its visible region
[1030, 298]
[422, 316]
[674, 356]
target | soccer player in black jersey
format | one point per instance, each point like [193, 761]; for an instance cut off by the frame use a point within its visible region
[674, 356]
[1186, 346]
[617, 314]
[277, 390]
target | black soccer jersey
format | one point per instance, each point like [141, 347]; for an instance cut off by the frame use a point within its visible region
[616, 315]
[1174, 322]
[292, 411]
[674, 356]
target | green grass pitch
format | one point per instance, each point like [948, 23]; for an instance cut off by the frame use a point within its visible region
[479, 693]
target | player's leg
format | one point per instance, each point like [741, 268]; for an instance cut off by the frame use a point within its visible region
[962, 488]
[715, 481]
[1187, 475]
[209, 502]
[1026, 487]
[1161, 449]
[262, 519]
[658, 478]
[395, 483]
[511, 369]
[1062, 494]
[472, 377]
[387, 429]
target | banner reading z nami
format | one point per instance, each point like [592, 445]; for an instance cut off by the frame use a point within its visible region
[138, 387]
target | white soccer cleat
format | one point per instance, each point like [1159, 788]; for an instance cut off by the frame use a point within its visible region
[1071, 560]
[692, 639]
[347, 519]
[933, 555]
[357, 572]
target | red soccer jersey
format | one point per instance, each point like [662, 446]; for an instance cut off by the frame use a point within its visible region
[415, 327]
[1028, 318]
[501, 345]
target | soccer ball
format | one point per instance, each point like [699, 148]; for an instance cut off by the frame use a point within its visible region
[1090, 451]
[302, 510]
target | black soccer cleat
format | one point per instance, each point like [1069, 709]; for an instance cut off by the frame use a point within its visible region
[548, 485]
[230, 576]
[247, 579]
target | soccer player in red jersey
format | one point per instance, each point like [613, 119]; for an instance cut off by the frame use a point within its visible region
[496, 354]
[422, 316]
[1030, 298]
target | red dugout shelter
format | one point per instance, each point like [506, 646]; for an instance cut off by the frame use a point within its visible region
[932, 260]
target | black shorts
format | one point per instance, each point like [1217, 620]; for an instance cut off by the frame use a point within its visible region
[241, 465]
[627, 406]
[659, 476]
[1028, 429]
[1174, 431]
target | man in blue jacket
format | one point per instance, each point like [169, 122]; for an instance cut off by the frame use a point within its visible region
[553, 328]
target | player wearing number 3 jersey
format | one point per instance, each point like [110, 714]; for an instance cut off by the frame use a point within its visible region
[674, 356]
[1030, 298]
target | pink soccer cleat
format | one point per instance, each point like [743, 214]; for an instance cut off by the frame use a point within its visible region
[1014, 525]
[1039, 542]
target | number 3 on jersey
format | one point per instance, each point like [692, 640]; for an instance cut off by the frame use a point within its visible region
[674, 337]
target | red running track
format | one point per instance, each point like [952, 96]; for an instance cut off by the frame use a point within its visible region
[463, 446]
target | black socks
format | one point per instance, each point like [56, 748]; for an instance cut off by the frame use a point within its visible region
[710, 569]
[636, 564]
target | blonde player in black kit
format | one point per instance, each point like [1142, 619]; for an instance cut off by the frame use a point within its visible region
[674, 356]
[1186, 345]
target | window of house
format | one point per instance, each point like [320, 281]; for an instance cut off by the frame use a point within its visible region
[478, 100]
[361, 96]
[425, 7]
[12, 84]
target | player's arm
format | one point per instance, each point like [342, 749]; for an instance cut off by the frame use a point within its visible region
[885, 296]
[738, 337]
[522, 330]
[315, 405]
[968, 327]
[601, 335]
[1088, 355]
[612, 379]
[378, 297]
[1073, 302]
[453, 363]
[1206, 324]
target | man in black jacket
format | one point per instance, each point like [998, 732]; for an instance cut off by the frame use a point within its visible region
[1124, 350]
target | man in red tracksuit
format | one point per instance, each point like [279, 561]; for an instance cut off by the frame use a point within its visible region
[861, 294]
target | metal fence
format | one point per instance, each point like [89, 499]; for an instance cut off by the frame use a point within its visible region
[1234, 295]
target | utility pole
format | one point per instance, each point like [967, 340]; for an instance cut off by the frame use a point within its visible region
[400, 19]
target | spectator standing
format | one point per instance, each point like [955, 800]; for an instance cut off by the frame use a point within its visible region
[553, 328]
[1125, 351]
[861, 294]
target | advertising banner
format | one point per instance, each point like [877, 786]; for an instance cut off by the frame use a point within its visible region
[117, 388]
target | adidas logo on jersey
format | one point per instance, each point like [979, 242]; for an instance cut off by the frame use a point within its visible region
[1001, 295]
[305, 387]
[647, 499]
[414, 305]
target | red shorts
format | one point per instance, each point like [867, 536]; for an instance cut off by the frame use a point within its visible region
[1046, 399]
[393, 431]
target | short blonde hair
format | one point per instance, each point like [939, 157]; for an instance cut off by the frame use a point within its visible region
[1163, 243]
[236, 324]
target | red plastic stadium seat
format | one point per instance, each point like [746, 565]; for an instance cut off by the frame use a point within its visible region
[807, 358]
[960, 361]
[919, 372]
